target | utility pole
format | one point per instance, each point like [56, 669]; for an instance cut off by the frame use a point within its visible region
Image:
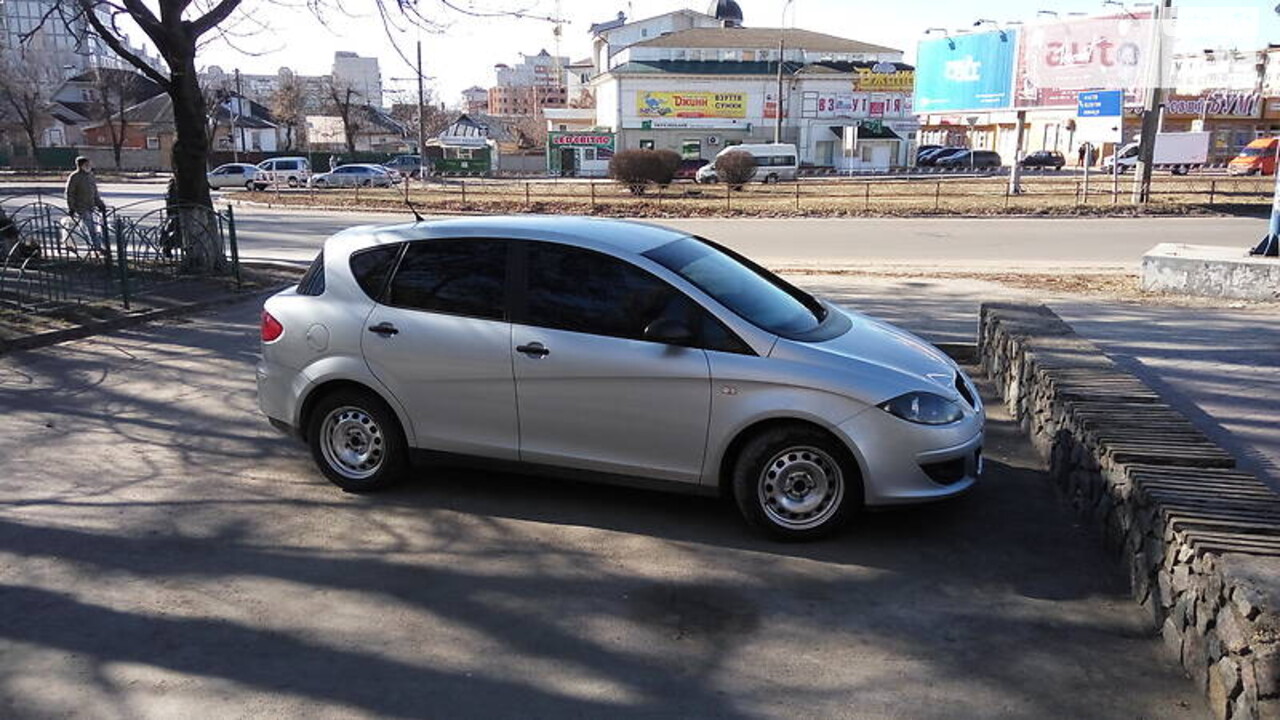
[1015, 172]
[1151, 109]
[236, 120]
[777, 126]
[422, 124]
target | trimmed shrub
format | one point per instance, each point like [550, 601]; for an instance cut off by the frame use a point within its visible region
[637, 169]
[735, 168]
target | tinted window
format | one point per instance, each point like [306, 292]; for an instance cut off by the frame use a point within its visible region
[588, 292]
[753, 293]
[288, 165]
[312, 283]
[235, 171]
[371, 268]
[459, 277]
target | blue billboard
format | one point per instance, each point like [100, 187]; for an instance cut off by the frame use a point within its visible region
[966, 72]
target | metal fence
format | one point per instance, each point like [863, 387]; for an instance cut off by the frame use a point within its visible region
[51, 257]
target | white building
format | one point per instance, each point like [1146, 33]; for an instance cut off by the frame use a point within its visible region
[846, 104]
[360, 74]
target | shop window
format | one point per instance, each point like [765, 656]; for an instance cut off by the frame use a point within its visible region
[646, 145]
[691, 149]
[864, 153]
[589, 154]
[153, 143]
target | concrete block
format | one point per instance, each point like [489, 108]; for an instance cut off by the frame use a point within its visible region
[1210, 271]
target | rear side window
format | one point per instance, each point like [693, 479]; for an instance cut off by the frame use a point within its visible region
[457, 277]
[372, 267]
[312, 283]
[287, 165]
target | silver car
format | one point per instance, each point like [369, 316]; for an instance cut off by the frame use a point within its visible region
[233, 175]
[614, 351]
[353, 176]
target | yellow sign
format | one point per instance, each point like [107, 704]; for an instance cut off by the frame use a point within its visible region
[691, 105]
[868, 80]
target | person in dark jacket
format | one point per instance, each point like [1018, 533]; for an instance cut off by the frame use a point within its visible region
[83, 198]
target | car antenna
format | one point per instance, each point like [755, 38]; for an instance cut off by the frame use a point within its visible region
[416, 215]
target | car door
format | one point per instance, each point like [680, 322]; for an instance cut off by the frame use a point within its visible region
[592, 394]
[439, 339]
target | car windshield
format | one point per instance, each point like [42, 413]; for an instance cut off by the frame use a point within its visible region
[1256, 152]
[753, 293]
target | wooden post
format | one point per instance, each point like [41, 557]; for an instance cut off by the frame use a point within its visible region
[937, 196]
[797, 193]
[463, 184]
[866, 196]
[593, 195]
[526, 194]
[1213, 191]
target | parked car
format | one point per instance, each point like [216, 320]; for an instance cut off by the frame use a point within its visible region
[610, 350]
[971, 158]
[1045, 159]
[932, 157]
[689, 168]
[410, 165]
[233, 175]
[291, 171]
[395, 175]
[353, 176]
[924, 150]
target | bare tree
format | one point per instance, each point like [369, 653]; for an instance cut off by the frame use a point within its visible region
[114, 90]
[23, 96]
[288, 105]
[345, 101]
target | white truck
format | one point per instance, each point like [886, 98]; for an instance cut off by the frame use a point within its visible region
[1177, 152]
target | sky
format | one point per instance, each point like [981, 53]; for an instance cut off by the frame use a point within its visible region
[464, 52]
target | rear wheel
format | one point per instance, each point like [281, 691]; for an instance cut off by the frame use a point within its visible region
[770, 179]
[249, 185]
[357, 441]
[796, 483]
[293, 182]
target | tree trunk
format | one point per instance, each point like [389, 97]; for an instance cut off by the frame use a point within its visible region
[201, 239]
[31, 138]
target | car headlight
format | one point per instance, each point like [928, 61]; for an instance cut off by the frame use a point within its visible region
[923, 408]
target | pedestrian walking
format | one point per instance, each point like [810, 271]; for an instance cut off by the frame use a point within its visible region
[333, 163]
[83, 198]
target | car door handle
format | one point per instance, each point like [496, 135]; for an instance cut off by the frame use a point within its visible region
[385, 329]
[537, 350]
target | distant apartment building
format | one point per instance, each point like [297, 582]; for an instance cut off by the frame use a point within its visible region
[475, 100]
[349, 70]
[536, 82]
[56, 48]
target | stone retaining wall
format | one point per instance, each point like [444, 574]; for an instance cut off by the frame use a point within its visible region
[1201, 540]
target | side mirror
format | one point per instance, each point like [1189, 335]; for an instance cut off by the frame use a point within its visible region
[668, 332]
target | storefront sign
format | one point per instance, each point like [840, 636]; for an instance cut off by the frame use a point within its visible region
[691, 105]
[884, 79]
[1215, 105]
[965, 72]
[596, 140]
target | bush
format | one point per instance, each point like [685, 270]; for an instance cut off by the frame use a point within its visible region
[735, 168]
[638, 168]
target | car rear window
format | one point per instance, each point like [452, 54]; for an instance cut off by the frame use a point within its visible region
[372, 267]
[312, 282]
[459, 277]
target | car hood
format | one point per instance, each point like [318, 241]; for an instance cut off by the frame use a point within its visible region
[879, 361]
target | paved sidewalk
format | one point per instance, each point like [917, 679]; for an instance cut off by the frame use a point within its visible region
[1219, 366]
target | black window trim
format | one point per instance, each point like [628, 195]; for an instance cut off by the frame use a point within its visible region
[518, 289]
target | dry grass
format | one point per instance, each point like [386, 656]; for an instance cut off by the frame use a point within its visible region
[1047, 195]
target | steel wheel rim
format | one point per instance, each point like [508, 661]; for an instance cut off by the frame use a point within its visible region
[352, 443]
[801, 488]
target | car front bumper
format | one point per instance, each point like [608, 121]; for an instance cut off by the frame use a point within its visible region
[904, 463]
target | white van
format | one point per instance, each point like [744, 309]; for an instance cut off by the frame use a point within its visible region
[291, 171]
[774, 162]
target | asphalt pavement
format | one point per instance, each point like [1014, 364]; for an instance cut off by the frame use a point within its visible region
[164, 553]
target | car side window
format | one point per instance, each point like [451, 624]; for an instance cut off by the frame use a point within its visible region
[584, 291]
[372, 266]
[457, 277]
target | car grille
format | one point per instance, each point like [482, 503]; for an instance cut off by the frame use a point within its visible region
[962, 387]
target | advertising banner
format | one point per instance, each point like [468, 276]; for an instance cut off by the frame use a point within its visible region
[599, 140]
[1059, 58]
[966, 72]
[691, 105]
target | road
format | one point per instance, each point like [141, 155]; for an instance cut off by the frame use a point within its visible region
[164, 553]
[1044, 245]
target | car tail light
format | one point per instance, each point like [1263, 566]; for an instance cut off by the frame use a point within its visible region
[271, 328]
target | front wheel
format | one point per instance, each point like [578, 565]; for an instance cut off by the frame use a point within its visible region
[249, 186]
[770, 179]
[356, 441]
[293, 182]
[796, 484]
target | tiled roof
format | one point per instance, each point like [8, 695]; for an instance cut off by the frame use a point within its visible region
[762, 38]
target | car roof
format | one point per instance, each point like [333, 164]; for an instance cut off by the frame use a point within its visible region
[616, 236]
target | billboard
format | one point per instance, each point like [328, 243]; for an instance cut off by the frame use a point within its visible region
[966, 72]
[731, 105]
[1059, 58]
[884, 77]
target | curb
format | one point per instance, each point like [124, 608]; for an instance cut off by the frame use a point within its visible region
[55, 337]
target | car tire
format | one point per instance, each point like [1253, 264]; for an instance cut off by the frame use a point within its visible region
[249, 186]
[770, 179]
[357, 441]
[321, 184]
[293, 182]
[824, 488]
